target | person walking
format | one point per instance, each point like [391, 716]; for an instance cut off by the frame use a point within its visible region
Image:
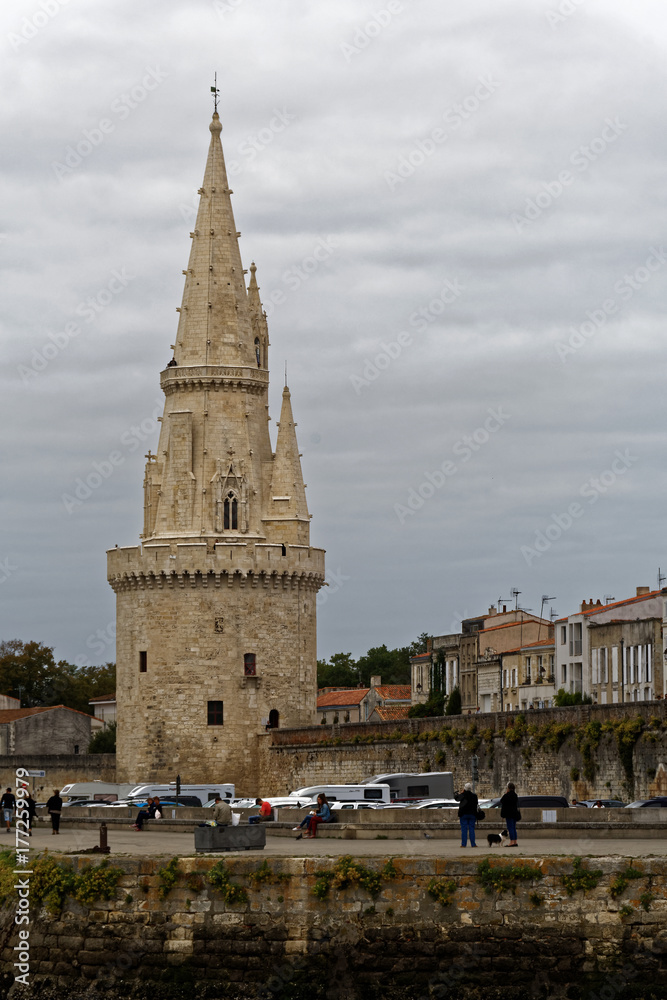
[31, 806]
[8, 805]
[54, 808]
[509, 811]
[468, 805]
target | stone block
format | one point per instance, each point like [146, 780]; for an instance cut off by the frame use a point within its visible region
[230, 838]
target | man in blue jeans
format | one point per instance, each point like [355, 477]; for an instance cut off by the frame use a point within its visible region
[468, 804]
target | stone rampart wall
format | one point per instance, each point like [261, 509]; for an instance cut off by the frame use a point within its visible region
[573, 767]
[431, 928]
[60, 770]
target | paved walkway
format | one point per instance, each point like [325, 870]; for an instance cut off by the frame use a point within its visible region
[160, 843]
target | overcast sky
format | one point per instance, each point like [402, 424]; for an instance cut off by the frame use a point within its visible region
[477, 359]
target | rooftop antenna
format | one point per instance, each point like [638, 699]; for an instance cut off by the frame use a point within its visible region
[545, 600]
[215, 92]
[661, 579]
[608, 598]
[515, 594]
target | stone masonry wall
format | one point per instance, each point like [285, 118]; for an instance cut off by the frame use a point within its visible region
[350, 753]
[60, 770]
[431, 928]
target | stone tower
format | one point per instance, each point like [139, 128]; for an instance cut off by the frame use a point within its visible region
[215, 610]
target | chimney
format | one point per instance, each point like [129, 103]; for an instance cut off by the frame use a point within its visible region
[376, 682]
[492, 611]
[429, 645]
[642, 590]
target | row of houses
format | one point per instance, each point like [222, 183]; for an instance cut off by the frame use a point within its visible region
[377, 703]
[515, 660]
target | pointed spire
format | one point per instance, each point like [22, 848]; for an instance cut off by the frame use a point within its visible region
[288, 493]
[258, 319]
[215, 326]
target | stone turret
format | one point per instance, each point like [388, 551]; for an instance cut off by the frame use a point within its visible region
[216, 626]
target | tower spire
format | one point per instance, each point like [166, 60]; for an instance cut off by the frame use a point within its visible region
[214, 326]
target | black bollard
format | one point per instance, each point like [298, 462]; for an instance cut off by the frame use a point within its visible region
[104, 847]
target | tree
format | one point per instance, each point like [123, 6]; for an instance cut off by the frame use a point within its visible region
[340, 671]
[564, 698]
[104, 740]
[28, 671]
[454, 703]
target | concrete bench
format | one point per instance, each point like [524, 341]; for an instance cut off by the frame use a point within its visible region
[230, 838]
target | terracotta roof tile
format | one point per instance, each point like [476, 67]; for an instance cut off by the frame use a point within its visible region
[103, 697]
[12, 714]
[391, 713]
[395, 692]
[336, 699]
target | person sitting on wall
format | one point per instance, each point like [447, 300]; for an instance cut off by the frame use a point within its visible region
[222, 812]
[265, 812]
[147, 813]
[321, 815]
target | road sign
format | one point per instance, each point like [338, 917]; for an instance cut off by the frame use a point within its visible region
[37, 774]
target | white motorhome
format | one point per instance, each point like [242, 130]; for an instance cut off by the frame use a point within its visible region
[345, 793]
[139, 793]
[101, 791]
[407, 787]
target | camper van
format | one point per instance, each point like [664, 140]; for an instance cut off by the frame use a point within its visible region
[346, 793]
[99, 791]
[415, 787]
[139, 793]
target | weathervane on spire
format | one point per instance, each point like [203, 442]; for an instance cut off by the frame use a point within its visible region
[285, 374]
[215, 92]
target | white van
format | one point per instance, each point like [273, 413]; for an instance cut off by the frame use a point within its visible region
[345, 793]
[415, 787]
[203, 792]
[100, 791]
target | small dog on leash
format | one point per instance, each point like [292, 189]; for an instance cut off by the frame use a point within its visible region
[497, 839]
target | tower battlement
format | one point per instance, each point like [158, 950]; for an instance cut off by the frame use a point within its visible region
[195, 563]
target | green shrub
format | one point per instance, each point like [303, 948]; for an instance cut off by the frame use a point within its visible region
[503, 877]
[581, 878]
[219, 878]
[442, 890]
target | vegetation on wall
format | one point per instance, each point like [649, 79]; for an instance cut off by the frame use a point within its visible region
[104, 741]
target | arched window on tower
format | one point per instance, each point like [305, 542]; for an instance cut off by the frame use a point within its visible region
[231, 512]
[273, 718]
[258, 352]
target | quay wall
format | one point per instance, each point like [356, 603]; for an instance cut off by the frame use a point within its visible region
[428, 927]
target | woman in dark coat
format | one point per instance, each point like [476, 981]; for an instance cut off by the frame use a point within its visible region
[54, 808]
[509, 811]
[468, 804]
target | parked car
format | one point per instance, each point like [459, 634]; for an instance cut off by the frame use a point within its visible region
[537, 802]
[340, 806]
[606, 803]
[658, 803]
